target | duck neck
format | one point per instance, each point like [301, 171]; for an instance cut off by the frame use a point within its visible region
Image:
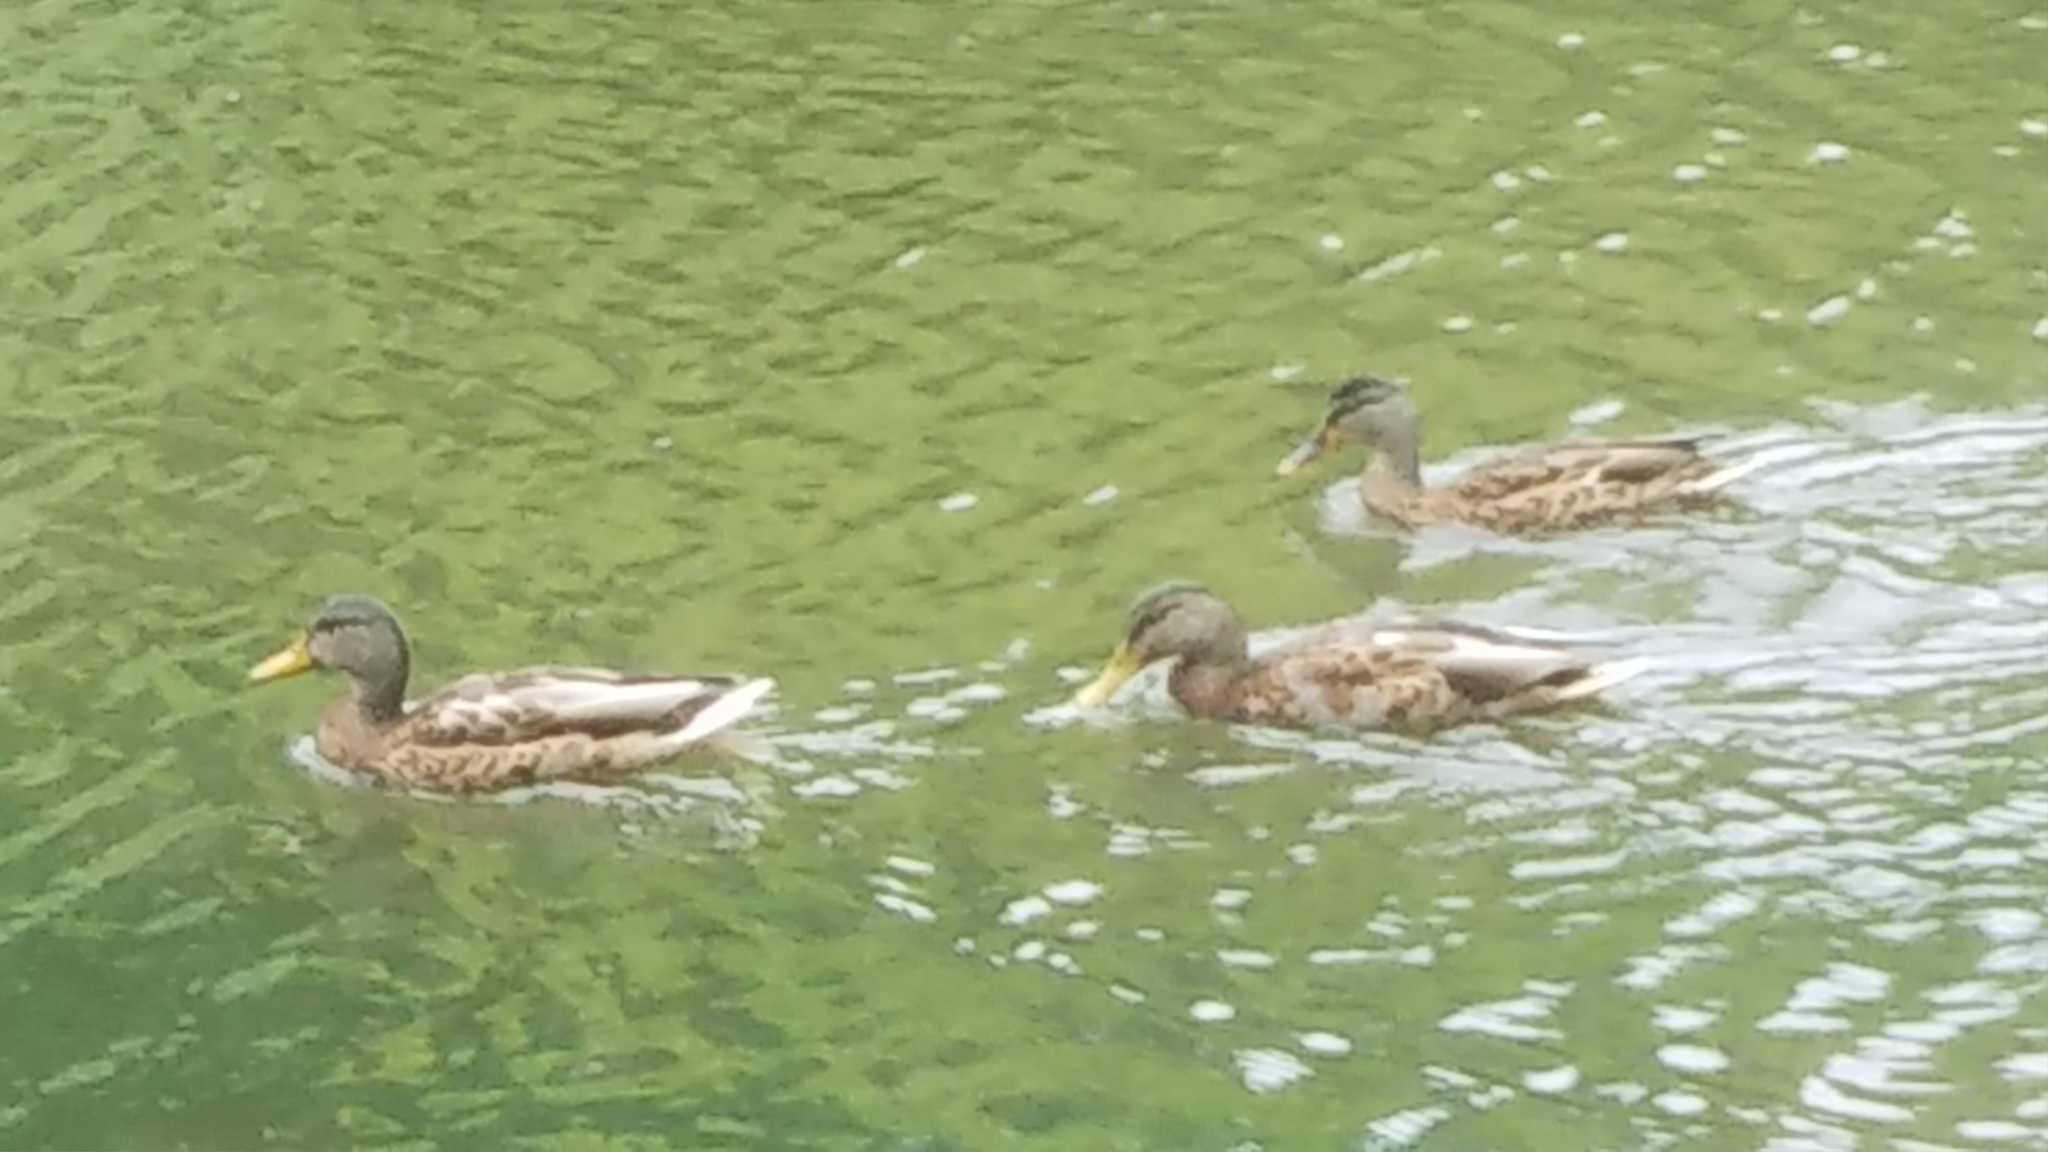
[1397, 457]
[380, 690]
[1207, 687]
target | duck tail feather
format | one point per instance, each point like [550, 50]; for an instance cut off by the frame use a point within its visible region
[721, 713]
[1722, 477]
[1602, 676]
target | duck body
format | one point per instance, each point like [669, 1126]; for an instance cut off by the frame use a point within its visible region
[1542, 489]
[1410, 677]
[1555, 488]
[491, 731]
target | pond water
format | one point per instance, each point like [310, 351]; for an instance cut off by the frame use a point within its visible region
[889, 349]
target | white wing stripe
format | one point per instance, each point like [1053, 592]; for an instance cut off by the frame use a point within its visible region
[722, 712]
[579, 700]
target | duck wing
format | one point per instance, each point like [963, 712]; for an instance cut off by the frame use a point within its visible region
[540, 703]
[1570, 465]
[1497, 669]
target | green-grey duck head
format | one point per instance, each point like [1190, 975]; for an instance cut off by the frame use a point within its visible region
[1372, 411]
[1174, 619]
[358, 637]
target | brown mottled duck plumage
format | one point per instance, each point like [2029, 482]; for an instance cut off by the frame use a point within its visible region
[1408, 677]
[491, 731]
[1543, 489]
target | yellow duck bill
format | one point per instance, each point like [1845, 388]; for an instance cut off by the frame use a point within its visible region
[1123, 664]
[291, 660]
[1302, 456]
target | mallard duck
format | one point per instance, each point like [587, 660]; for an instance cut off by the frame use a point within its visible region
[490, 731]
[1546, 488]
[1406, 677]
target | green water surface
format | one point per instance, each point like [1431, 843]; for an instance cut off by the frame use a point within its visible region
[666, 334]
